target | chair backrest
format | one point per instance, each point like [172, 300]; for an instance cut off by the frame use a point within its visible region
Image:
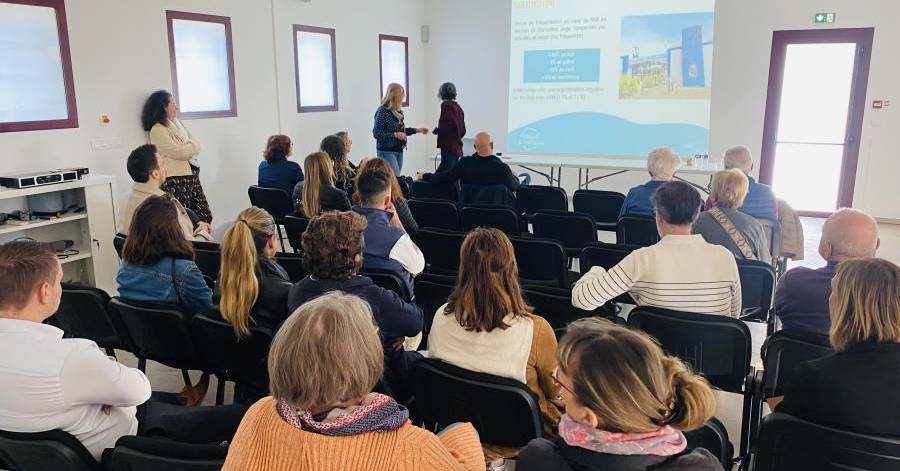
[157, 333]
[557, 308]
[53, 450]
[493, 195]
[601, 254]
[637, 231]
[714, 438]
[773, 232]
[439, 191]
[293, 264]
[604, 206]
[243, 360]
[716, 346]
[787, 443]
[532, 198]
[441, 249]
[152, 454]
[119, 243]
[782, 352]
[757, 286]
[502, 410]
[388, 280]
[504, 219]
[209, 262]
[82, 314]
[572, 230]
[404, 182]
[274, 200]
[431, 295]
[436, 214]
[295, 226]
[541, 262]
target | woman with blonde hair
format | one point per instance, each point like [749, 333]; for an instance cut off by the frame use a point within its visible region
[403, 212]
[389, 131]
[856, 387]
[252, 288]
[317, 193]
[323, 364]
[724, 225]
[627, 404]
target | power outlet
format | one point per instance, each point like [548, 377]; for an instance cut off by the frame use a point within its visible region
[108, 144]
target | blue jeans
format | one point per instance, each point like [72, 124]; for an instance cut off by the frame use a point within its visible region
[394, 159]
[448, 160]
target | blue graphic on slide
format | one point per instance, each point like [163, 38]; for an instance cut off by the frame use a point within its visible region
[603, 134]
[692, 70]
[562, 65]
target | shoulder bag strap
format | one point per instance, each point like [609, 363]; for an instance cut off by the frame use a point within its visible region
[733, 233]
[174, 283]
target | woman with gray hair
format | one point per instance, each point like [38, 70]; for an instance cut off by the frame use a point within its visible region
[662, 164]
[451, 127]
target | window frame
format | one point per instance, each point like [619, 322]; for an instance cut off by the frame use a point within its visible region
[334, 83]
[171, 15]
[405, 41]
[65, 55]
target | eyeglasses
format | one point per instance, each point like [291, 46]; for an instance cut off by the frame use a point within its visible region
[559, 383]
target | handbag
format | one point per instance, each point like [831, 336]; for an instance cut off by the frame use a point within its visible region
[733, 233]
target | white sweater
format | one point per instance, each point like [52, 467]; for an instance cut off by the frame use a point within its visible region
[680, 272]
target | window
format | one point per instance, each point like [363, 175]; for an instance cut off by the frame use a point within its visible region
[316, 69]
[36, 86]
[202, 65]
[393, 58]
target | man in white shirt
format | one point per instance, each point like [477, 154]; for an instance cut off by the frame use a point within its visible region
[680, 272]
[49, 382]
[146, 168]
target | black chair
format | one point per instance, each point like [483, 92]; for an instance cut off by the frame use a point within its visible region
[502, 410]
[242, 361]
[388, 280]
[82, 314]
[209, 262]
[542, 262]
[714, 438]
[718, 347]
[152, 454]
[430, 296]
[601, 254]
[275, 201]
[436, 214]
[757, 290]
[293, 264]
[441, 249]
[404, 183]
[787, 443]
[533, 198]
[439, 191]
[572, 230]
[53, 450]
[603, 206]
[637, 231]
[556, 307]
[294, 227]
[119, 243]
[504, 219]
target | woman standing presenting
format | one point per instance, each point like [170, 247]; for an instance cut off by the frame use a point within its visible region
[389, 131]
[451, 127]
[179, 150]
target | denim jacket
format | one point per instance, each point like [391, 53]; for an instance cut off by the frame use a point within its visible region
[153, 283]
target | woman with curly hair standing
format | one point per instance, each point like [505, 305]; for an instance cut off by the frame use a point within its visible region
[179, 150]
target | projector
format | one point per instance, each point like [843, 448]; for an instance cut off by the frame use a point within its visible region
[32, 179]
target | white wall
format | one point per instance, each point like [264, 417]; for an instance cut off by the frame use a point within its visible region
[470, 45]
[120, 54]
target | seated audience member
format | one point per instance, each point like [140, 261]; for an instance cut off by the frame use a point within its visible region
[158, 264]
[388, 246]
[627, 414]
[253, 288]
[333, 254]
[681, 272]
[724, 225]
[323, 364]
[662, 164]
[276, 171]
[316, 193]
[403, 212]
[801, 298]
[348, 146]
[343, 172]
[484, 169]
[760, 201]
[146, 168]
[853, 388]
[486, 326]
[51, 382]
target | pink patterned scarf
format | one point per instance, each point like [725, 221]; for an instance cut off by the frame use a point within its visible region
[376, 413]
[664, 442]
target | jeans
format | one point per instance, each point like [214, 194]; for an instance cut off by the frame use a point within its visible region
[448, 160]
[394, 159]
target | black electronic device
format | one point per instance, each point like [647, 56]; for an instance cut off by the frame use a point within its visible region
[32, 179]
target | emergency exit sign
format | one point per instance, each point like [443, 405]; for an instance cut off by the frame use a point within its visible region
[824, 18]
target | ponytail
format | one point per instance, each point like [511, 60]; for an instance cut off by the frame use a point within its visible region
[693, 402]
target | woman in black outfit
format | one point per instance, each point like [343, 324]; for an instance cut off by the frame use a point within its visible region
[317, 193]
[344, 172]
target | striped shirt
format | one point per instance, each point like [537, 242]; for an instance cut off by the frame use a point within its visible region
[680, 272]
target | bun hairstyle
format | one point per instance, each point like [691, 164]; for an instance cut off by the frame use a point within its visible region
[624, 377]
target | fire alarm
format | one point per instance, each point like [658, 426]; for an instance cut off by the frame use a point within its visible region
[104, 119]
[878, 104]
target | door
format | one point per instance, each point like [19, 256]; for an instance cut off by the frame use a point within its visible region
[814, 113]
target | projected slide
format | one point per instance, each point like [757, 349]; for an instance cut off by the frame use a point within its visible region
[610, 78]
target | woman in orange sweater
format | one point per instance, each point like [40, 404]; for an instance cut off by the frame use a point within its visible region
[323, 364]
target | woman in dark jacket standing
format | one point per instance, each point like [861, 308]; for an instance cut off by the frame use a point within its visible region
[390, 131]
[451, 127]
[623, 415]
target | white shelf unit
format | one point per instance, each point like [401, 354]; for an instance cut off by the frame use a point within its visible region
[92, 260]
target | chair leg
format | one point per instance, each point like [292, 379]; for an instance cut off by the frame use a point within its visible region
[220, 391]
[186, 377]
[745, 423]
[280, 237]
[142, 364]
[111, 352]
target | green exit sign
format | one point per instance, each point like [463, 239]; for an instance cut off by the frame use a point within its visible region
[824, 18]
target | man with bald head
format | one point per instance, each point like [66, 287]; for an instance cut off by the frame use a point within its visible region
[801, 300]
[760, 201]
[483, 168]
